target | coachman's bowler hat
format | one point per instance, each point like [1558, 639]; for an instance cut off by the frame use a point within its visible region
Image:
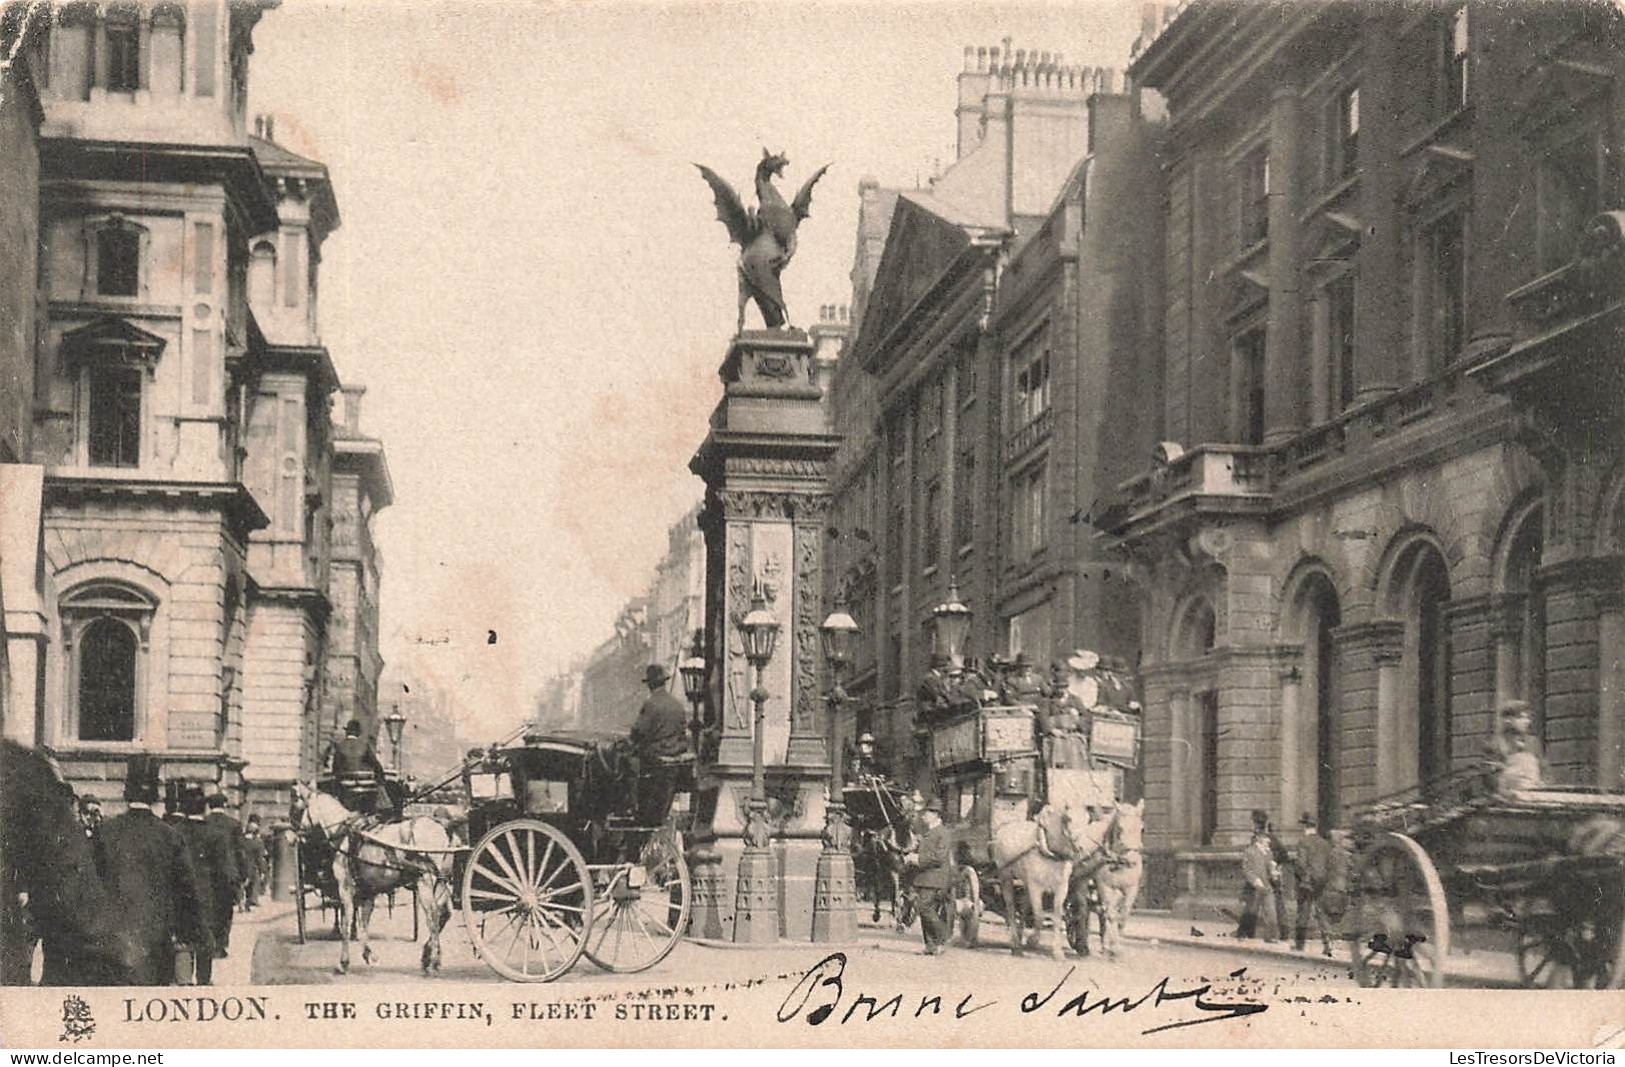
[655, 674]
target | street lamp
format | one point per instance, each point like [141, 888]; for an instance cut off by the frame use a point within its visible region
[395, 723]
[951, 626]
[692, 671]
[756, 910]
[834, 912]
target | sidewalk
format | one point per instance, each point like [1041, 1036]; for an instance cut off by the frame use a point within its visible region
[237, 968]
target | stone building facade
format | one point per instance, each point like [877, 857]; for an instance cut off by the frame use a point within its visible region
[994, 343]
[179, 406]
[1352, 547]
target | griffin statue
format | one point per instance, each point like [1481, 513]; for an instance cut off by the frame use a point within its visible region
[766, 234]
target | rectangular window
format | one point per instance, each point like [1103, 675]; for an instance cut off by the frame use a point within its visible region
[1570, 183]
[965, 377]
[1027, 529]
[931, 526]
[1446, 245]
[1340, 311]
[118, 259]
[1207, 788]
[123, 57]
[1253, 195]
[1249, 367]
[202, 367]
[1346, 149]
[1029, 392]
[205, 26]
[115, 417]
[965, 497]
[1036, 487]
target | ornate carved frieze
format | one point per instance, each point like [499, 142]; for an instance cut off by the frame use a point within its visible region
[739, 590]
[808, 564]
[775, 467]
[746, 504]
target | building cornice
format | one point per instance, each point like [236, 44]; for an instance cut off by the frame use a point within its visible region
[365, 456]
[232, 499]
[233, 166]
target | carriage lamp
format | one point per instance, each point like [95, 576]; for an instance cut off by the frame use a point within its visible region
[395, 723]
[951, 625]
[756, 911]
[834, 890]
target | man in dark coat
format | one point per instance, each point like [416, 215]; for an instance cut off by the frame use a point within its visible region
[933, 878]
[356, 771]
[208, 863]
[228, 884]
[1314, 868]
[1259, 876]
[659, 740]
[251, 854]
[150, 878]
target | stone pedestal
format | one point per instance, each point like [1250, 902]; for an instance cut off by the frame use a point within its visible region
[765, 465]
[835, 916]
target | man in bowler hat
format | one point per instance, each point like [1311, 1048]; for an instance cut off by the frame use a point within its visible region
[356, 771]
[225, 835]
[195, 957]
[659, 739]
[150, 878]
[933, 878]
[1314, 867]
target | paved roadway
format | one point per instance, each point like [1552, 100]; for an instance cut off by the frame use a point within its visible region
[880, 954]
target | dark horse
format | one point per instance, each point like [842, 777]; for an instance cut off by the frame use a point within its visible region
[50, 890]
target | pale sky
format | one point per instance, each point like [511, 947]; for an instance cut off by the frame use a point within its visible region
[531, 281]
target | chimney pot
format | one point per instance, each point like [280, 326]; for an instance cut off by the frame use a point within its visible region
[270, 127]
[352, 407]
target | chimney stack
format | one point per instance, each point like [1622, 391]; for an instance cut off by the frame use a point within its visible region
[352, 407]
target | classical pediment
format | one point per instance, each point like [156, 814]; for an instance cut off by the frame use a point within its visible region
[114, 339]
[1441, 169]
[920, 246]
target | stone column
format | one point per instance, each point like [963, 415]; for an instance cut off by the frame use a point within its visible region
[1382, 297]
[1611, 687]
[1283, 352]
[1474, 661]
[765, 464]
[1572, 687]
[1290, 672]
[1365, 653]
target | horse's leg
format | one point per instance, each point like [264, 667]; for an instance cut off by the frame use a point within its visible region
[1063, 885]
[1012, 910]
[341, 877]
[363, 913]
[428, 903]
[1111, 920]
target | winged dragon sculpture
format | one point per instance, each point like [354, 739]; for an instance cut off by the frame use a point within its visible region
[766, 234]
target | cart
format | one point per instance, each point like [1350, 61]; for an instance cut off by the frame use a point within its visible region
[881, 816]
[1537, 872]
[1004, 762]
[559, 870]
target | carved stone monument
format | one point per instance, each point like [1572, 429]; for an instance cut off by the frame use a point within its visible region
[765, 465]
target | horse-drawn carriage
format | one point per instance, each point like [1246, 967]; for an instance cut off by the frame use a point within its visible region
[1540, 872]
[559, 868]
[881, 816]
[314, 885]
[1033, 789]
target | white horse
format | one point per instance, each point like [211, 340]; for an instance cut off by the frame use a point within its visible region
[373, 859]
[1043, 861]
[1117, 878]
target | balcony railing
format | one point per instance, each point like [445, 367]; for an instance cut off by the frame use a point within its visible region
[1029, 436]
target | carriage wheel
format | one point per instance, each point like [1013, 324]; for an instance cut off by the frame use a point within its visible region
[1402, 936]
[640, 911]
[527, 901]
[968, 905]
[1570, 938]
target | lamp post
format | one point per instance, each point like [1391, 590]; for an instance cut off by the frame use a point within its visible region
[834, 908]
[395, 723]
[693, 671]
[756, 903]
[950, 622]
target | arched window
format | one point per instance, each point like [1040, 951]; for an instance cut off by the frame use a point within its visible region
[167, 76]
[262, 277]
[1527, 666]
[1428, 645]
[106, 627]
[1317, 730]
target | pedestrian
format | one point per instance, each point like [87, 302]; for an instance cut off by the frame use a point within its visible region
[1282, 878]
[90, 815]
[194, 956]
[659, 740]
[933, 878]
[252, 855]
[150, 879]
[226, 835]
[1258, 877]
[1314, 868]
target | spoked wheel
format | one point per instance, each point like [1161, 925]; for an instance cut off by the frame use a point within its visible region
[1403, 922]
[1569, 937]
[527, 901]
[640, 910]
[968, 905]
